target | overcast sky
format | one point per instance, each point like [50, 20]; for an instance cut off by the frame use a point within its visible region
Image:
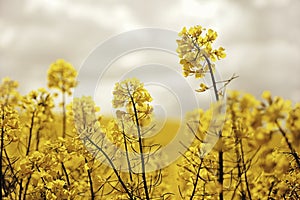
[261, 37]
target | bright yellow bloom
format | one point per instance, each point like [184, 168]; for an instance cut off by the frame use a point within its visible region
[39, 103]
[9, 123]
[195, 48]
[82, 111]
[203, 88]
[293, 124]
[131, 95]
[8, 92]
[62, 76]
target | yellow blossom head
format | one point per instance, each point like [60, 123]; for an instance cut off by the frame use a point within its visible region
[195, 48]
[62, 76]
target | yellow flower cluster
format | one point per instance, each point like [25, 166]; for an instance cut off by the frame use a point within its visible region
[277, 108]
[9, 124]
[255, 164]
[195, 50]
[131, 95]
[258, 146]
[40, 104]
[8, 92]
[37, 110]
[82, 112]
[62, 76]
[56, 170]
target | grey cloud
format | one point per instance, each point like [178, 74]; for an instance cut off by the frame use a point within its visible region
[261, 39]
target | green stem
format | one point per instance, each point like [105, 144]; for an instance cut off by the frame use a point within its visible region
[220, 154]
[66, 174]
[140, 146]
[90, 181]
[126, 151]
[64, 122]
[37, 139]
[26, 186]
[212, 78]
[131, 197]
[196, 181]
[292, 150]
[30, 133]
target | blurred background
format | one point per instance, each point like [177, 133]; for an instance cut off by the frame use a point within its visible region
[261, 37]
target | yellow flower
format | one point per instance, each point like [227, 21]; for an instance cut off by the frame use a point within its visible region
[131, 95]
[62, 76]
[203, 88]
[267, 96]
[9, 123]
[8, 92]
[194, 47]
[211, 35]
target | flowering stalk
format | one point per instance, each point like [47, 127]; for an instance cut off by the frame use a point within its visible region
[132, 95]
[83, 112]
[62, 76]
[195, 53]
[113, 167]
[9, 97]
[140, 144]
[221, 162]
[9, 124]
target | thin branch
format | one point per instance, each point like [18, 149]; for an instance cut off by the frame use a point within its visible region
[293, 152]
[113, 167]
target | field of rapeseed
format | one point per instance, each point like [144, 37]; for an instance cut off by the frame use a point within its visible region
[47, 155]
